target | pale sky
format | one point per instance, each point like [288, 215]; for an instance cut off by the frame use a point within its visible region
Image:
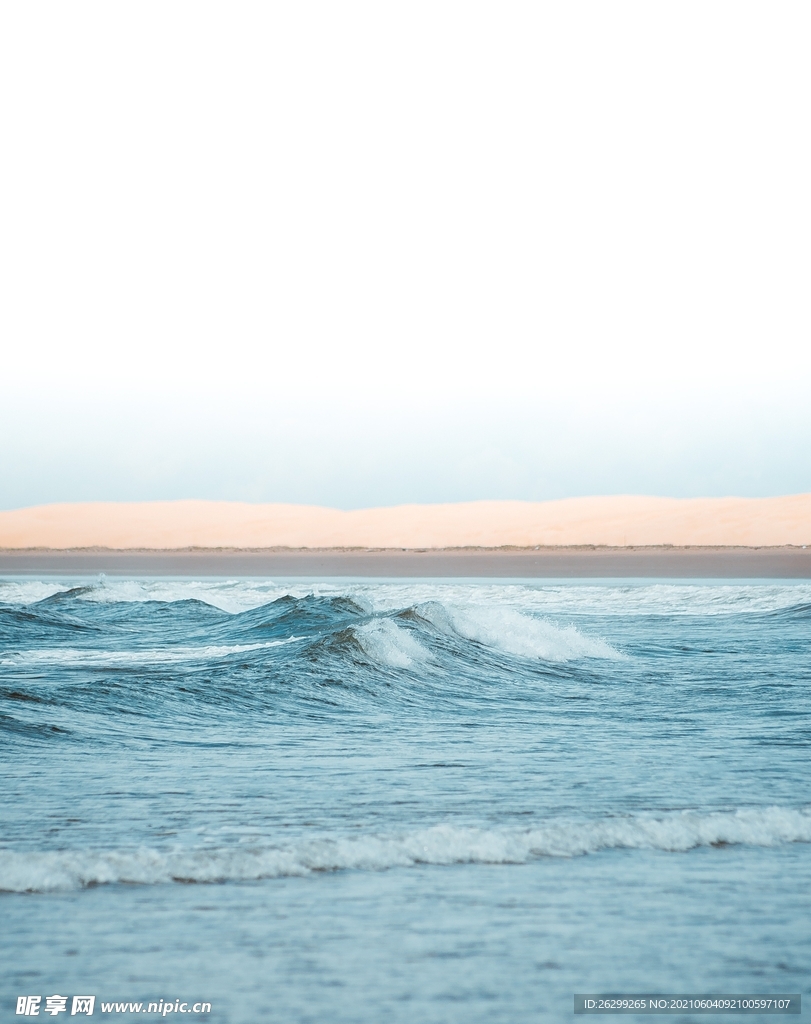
[369, 253]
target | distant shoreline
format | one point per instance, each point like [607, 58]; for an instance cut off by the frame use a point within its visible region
[612, 521]
[495, 563]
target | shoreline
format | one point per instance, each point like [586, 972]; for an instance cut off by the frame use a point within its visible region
[583, 562]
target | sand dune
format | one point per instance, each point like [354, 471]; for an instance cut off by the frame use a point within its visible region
[614, 521]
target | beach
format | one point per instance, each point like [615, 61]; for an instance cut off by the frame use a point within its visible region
[469, 563]
[579, 537]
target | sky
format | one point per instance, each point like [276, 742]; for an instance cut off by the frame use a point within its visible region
[369, 254]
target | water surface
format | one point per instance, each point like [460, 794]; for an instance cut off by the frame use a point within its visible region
[435, 801]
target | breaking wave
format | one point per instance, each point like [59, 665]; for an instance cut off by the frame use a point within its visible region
[402, 637]
[515, 633]
[675, 832]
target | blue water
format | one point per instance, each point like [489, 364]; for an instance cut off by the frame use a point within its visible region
[431, 801]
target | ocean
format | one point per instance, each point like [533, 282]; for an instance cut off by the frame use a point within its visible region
[389, 801]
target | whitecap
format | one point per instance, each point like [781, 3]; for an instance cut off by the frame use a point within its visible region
[516, 633]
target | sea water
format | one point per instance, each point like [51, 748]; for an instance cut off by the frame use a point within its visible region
[402, 801]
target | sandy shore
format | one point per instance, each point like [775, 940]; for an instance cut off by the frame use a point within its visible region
[545, 563]
[616, 521]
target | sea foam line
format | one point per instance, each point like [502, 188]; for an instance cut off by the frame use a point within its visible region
[676, 832]
[71, 657]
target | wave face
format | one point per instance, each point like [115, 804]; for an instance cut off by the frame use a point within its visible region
[225, 730]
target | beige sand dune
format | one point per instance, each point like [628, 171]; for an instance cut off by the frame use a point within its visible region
[614, 521]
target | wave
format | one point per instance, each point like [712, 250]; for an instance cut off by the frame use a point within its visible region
[513, 632]
[415, 636]
[399, 626]
[538, 599]
[675, 832]
[610, 598]
[389, 644]
[231, 596]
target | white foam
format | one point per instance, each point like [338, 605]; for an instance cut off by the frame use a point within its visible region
[516, 633]
[24, 592]
[672, 598]
[231, 596]
[676, 832]
[389, 644]
[75, 658]
[594, 599]
[633, 598]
